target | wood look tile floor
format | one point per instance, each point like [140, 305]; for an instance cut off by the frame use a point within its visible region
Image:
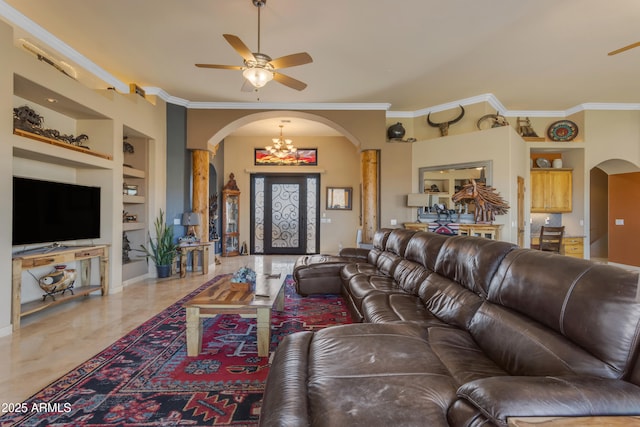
[53, 342]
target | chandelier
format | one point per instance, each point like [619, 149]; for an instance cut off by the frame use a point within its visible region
[281, 147]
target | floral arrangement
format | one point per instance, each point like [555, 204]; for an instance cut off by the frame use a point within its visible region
[245, 275]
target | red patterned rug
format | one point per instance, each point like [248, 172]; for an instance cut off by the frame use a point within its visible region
[146, 378]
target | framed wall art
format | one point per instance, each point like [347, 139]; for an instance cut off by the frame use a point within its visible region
[339, 198]
[302, 157]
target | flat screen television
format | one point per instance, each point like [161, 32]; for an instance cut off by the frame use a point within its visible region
[52, 212]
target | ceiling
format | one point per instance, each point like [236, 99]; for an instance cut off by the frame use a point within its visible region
[531, 55]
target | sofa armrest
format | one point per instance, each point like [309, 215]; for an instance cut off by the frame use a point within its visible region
[354, 253]
[285, 395]
[498, 398]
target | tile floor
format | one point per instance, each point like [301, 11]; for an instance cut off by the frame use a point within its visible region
[51, 343]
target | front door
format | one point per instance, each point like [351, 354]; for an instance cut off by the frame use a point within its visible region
[284, 213]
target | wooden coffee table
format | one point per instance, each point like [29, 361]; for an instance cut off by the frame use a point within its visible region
[220, 299]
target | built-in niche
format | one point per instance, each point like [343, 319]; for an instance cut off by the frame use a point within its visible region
[443, 181]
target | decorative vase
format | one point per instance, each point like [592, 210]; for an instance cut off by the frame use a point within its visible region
[557, 163]
[163, 271]
[396, 131]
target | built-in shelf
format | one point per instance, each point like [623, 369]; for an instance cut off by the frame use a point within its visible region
[133, 199]
[60, 144]
[129, 172]
[39, 305]
[129, 226]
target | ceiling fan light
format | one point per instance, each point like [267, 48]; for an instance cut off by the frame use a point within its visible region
[258, 77]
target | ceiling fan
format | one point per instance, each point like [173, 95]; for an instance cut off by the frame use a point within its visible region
[259, 69]
[625, 48]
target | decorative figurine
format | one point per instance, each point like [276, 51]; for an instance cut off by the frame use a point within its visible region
[231, 185]
[488, 202]
[26, 119]
[525, 129]
[59, 280]
[444, 126]
[126, 248]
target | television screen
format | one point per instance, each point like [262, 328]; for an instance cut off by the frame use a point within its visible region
[52, 212]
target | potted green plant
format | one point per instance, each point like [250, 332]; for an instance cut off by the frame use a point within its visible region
[162, 249]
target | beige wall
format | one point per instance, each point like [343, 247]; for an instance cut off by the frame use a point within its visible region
[363, 129]
[338, 166]
[500, 145]
[35, 159]
[6, 152]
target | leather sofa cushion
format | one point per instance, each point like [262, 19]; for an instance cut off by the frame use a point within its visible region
[423, 248]
[471, 261]
[448, 301]
[360, 286]
[591, 305]
[394, 250]
[409, 275]
[285, 395]
[384, 369]
[522, 346]
[464, 360]
[499, 398]
[394, 307]
[319, 273]
[350, 270]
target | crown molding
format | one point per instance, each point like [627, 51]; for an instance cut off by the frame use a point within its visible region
[20, 20]
[150, 90]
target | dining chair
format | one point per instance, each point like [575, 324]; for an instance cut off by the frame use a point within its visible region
[550, 239]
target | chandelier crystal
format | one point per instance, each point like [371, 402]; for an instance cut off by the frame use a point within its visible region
[281, 147]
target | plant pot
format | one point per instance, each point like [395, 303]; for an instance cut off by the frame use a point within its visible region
[163, 271]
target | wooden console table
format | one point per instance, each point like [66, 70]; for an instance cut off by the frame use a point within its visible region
[489, 231]
[61, 255]
[194, 248]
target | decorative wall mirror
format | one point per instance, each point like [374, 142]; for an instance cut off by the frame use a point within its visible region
[339, 198]
[443, 181]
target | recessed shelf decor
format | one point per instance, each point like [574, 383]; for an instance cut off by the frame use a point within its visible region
[51, 141]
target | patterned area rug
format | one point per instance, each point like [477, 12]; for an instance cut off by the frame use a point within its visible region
[146, 378]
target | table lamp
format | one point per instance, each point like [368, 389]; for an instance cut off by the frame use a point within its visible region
[190, 220]
[417, 200]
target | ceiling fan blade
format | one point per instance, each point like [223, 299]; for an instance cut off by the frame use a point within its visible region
[291, 60]
[239, 46]
[223, 67]
[289, 81]
[622, 49]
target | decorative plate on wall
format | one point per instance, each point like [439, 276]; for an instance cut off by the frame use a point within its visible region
[562, 130]
[541, 162]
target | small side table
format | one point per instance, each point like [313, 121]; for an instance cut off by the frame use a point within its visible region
[194, 248]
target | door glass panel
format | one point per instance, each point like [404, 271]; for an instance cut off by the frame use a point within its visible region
[285, 230]
[312, 209]
[258, 215]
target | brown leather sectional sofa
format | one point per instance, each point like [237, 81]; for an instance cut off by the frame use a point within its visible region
[463, 331]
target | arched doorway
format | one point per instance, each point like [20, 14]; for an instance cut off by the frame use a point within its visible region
[339, 165]
[613, 205]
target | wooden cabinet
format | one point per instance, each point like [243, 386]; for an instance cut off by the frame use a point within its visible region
[571, 246]
[230, 222]
[551, 190]
[488, 231]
